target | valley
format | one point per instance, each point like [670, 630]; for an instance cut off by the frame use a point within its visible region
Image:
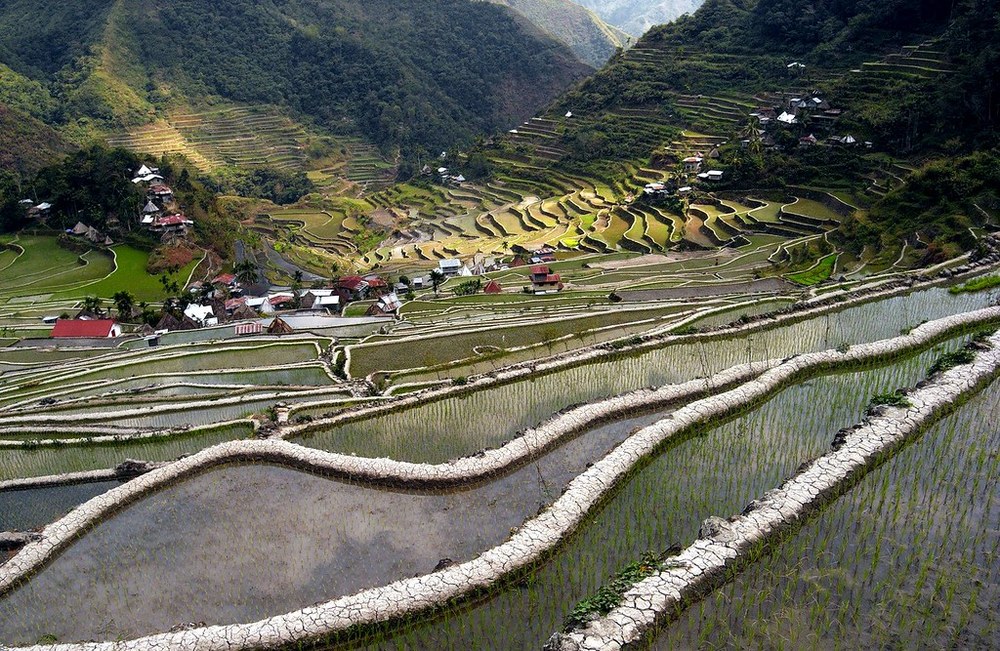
[468, 325]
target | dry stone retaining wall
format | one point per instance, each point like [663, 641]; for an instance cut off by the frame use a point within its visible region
[598, 352]
[725, 543]
[538, 536]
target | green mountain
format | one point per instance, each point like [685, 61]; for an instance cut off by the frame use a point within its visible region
[918, 79]
[590, 38]
[637, 16]
[399, 73]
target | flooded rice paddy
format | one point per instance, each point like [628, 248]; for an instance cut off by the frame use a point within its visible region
[462, 425]
[910, 558]
[238, 543]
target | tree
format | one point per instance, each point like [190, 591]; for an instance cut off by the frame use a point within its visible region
[246, 271]
[92, 304]
[469, 287]
[125, 302]
[437, 278]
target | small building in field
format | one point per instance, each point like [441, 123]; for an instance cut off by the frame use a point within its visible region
[450, 267]
[387, 305]
[543, 281]
[492, 287]
[86, 329]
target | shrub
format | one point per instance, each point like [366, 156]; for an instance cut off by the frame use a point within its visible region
[951, 360]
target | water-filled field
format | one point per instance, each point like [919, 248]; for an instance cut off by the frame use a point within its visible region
[462, 425]
[910, 558]
[241, 542]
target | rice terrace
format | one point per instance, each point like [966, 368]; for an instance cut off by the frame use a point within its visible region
[345, 325]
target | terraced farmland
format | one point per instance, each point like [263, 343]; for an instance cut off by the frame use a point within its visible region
[102, 405]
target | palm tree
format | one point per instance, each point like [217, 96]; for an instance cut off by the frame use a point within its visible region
[246, 271]
[92, 304]
[437, 278]
[125, 302]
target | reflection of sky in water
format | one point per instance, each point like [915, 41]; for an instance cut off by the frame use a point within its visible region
[30, 509]
[268, 539]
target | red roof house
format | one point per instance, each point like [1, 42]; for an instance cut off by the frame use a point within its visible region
[492, 287]
[224, 279]
[86, 329]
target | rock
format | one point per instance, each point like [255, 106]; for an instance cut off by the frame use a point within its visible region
[443, 564]
[716, 528]
[131, 468]
[14, 540]
[190, 626]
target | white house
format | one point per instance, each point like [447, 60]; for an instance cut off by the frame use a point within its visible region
[201, 314]
[450, 267]
[787, 118]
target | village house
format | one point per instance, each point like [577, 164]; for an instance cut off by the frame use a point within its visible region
[203, 315]
[787, 118]
[655, 190]
[147, 174]
[543, 281]
[808, 141]
[450, 267]
[320, 300]
[387, 305]
[351, 288]
[172, 224]
[493, 287]
[712, 176]
[86, 329]
[160, 192]
[41, 211]
[692, 164]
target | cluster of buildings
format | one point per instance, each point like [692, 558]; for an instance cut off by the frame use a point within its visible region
[797, 110]
[158, 215]
[444, 175]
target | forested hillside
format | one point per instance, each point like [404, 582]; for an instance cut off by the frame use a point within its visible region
[401, 72]
[637, 16]
[589, 37]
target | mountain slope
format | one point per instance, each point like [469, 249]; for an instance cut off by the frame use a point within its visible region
[590, 38]
[637, 16]
[400, 72]
[26, 143]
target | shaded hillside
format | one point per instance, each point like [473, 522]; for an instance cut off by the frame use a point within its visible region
[403, 73]
[735, 47]
[591, 39]
[26, 143]
[637, 16]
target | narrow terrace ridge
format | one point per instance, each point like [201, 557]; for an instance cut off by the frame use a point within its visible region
[543, 533]
[725, 545]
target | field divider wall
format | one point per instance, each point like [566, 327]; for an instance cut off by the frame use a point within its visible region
[531, 542]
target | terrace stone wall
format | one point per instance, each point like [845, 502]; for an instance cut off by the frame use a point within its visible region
[724, 544]
[538, 536]
[801, 311]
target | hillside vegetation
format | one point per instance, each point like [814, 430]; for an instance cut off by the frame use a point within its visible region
[637, 16]
[590, 38]
[401, 73]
